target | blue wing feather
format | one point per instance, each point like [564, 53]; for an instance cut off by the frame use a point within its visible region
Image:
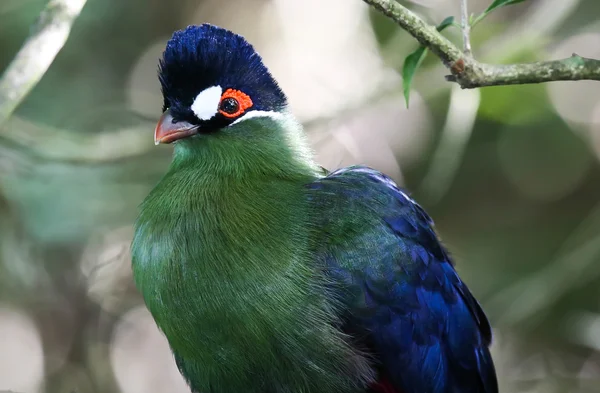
[402, 297]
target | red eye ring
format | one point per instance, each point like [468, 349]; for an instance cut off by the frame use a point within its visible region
[242, 99]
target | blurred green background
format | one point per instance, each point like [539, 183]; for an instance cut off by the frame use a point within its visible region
[511, 176]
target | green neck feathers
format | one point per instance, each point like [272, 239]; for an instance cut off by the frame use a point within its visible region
[260, 147]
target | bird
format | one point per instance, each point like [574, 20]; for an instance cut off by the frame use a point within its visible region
[267, 273]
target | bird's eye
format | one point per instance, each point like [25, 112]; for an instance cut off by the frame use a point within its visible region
[234, 103]
[230, 105]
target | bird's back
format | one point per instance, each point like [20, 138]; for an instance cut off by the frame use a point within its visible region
[404, 302]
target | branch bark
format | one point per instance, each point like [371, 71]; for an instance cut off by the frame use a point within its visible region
[465, 26]
[48, 36]
[469, 73]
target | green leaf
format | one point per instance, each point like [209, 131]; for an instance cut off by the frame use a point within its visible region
[414, 60]
[496, 4]
[411, 64]
[447, 22]
[501, 3]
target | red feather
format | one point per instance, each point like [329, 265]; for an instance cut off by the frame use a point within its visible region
[383, 386]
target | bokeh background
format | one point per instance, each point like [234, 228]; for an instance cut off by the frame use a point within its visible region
[511, 176]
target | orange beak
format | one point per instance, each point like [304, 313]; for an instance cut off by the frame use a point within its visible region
[167, 131]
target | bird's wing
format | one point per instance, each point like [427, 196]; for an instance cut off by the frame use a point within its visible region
[402, 299]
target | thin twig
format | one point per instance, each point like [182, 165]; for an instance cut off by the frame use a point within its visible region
[48, 36]
[469, 73]
[465, 27]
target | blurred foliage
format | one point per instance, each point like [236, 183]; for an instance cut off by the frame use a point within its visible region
[521, 213]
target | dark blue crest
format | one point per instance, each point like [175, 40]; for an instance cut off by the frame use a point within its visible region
[200, 57]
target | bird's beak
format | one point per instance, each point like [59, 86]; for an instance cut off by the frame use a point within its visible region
[166, 131]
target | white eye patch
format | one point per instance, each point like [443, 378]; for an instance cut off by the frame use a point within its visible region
[206, 103]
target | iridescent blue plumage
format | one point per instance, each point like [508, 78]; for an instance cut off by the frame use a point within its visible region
[404, 302]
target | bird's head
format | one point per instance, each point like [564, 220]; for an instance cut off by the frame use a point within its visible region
[212, 79]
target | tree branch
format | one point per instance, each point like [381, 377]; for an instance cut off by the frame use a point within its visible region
[48, 36]
[465, 26]
[469, 73]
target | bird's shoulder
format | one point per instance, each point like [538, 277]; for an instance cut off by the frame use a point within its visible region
[358, 202]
